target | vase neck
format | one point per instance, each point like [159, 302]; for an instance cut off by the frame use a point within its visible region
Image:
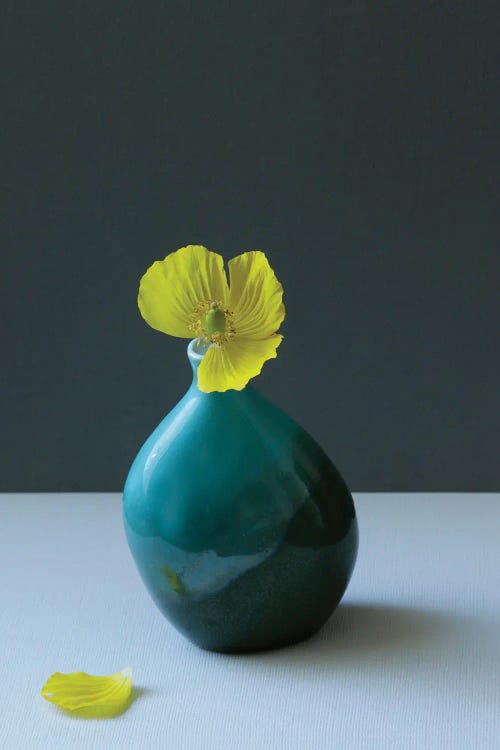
[196, 351]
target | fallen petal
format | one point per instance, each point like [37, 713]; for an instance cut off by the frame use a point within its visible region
[90, 696]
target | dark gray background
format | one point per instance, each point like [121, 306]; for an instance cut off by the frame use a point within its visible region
[355, 142]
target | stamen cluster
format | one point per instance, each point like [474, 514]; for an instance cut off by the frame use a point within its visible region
[198, 323]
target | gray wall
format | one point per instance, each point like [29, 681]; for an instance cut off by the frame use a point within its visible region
[355, 141]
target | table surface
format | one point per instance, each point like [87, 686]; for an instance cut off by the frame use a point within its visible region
[410, 659]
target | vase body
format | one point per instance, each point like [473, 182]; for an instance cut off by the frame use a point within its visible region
[241, 528]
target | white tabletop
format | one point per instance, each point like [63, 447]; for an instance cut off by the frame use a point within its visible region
[411, 659]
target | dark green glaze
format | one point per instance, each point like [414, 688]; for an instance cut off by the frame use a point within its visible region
[242, 529]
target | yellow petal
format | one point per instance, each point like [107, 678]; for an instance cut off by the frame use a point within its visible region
[255, 296]
[232, 365]
[171, 288]
[90, 696]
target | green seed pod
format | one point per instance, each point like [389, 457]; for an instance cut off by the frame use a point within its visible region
[216, 321]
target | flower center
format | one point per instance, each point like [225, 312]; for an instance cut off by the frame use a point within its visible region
[212, 323]
[216, 320]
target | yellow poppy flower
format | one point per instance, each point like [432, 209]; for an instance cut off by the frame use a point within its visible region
[187, 295]
[89, 696]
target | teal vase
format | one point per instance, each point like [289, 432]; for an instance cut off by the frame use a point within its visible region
[242, 529]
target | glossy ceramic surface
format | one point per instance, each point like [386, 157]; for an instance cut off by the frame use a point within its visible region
[242, 529]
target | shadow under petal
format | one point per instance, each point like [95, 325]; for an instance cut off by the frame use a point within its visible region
[140, 692]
